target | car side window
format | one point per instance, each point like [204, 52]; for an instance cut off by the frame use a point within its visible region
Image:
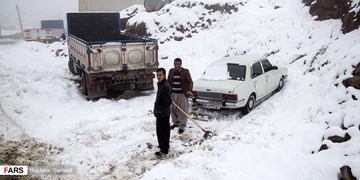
[256, 70]
[266, 65]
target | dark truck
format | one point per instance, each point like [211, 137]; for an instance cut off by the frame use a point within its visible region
[106, 58]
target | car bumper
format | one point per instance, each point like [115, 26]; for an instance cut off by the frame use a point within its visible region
[213, 104]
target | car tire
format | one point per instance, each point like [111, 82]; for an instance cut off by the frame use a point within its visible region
[250, 104]
[281, 84]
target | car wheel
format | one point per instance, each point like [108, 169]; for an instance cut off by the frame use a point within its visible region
[249, 105]
[281, 84]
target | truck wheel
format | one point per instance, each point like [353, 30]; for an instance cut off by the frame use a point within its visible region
[83, 83]
[71, 67]
[249, 105]
[281, 84]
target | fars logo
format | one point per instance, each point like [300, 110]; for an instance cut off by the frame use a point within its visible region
[13, 170]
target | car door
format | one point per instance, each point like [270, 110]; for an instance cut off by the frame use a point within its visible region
[259, 79]
[271, 76]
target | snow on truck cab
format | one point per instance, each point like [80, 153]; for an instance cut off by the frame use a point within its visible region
[106, 58]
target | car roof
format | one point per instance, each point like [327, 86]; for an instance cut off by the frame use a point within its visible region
[242, 59]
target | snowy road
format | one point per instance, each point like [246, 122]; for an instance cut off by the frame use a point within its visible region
[9, 126]
[108, 138]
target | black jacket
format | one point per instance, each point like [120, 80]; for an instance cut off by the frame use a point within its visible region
[163, 99]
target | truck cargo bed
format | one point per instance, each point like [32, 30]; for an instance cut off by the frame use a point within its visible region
[107, 58]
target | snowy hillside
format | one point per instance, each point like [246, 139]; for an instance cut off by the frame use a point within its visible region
[46, 121]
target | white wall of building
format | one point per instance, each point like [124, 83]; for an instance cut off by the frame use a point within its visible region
[107, 5]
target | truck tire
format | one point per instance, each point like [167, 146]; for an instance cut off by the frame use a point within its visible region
[72, 67]
[83, 83]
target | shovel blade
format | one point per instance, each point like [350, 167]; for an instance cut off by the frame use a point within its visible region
[208, 135]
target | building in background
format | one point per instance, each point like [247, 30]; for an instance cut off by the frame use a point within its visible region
[107, 5]
[9, 31]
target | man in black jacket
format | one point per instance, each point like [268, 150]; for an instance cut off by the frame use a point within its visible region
[162, 112]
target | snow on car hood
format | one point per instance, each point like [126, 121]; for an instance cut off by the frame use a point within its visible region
[219, 86]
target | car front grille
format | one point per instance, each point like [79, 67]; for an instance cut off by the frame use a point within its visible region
[209, 95]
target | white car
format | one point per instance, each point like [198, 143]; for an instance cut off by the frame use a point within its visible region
[237, 82]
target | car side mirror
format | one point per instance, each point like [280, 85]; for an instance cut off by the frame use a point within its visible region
[274, 68]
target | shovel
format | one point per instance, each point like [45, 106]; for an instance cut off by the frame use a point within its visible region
[207, 135]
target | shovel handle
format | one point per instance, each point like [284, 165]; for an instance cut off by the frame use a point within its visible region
[187, 115]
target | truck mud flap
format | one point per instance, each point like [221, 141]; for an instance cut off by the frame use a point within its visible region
[94, 88]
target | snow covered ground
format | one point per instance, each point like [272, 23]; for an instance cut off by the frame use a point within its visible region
[8, 32]
[280, 139]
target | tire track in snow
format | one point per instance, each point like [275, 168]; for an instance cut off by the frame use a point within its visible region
[8, 127]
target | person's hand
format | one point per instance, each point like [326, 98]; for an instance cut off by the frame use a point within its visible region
[190, 93]
[157, 113]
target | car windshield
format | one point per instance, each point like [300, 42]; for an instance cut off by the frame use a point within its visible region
[223, 71]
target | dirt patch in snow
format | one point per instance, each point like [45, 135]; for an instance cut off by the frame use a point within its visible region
[332, 9]
[26, 152]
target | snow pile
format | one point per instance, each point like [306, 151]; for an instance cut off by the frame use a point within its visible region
[333, 63]
[279, 139]
[355, 6]
[131, 11]
[181, 19]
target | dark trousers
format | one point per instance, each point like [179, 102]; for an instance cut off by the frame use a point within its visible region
[163, 133]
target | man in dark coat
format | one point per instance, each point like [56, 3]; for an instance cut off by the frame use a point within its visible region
[162, 112]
